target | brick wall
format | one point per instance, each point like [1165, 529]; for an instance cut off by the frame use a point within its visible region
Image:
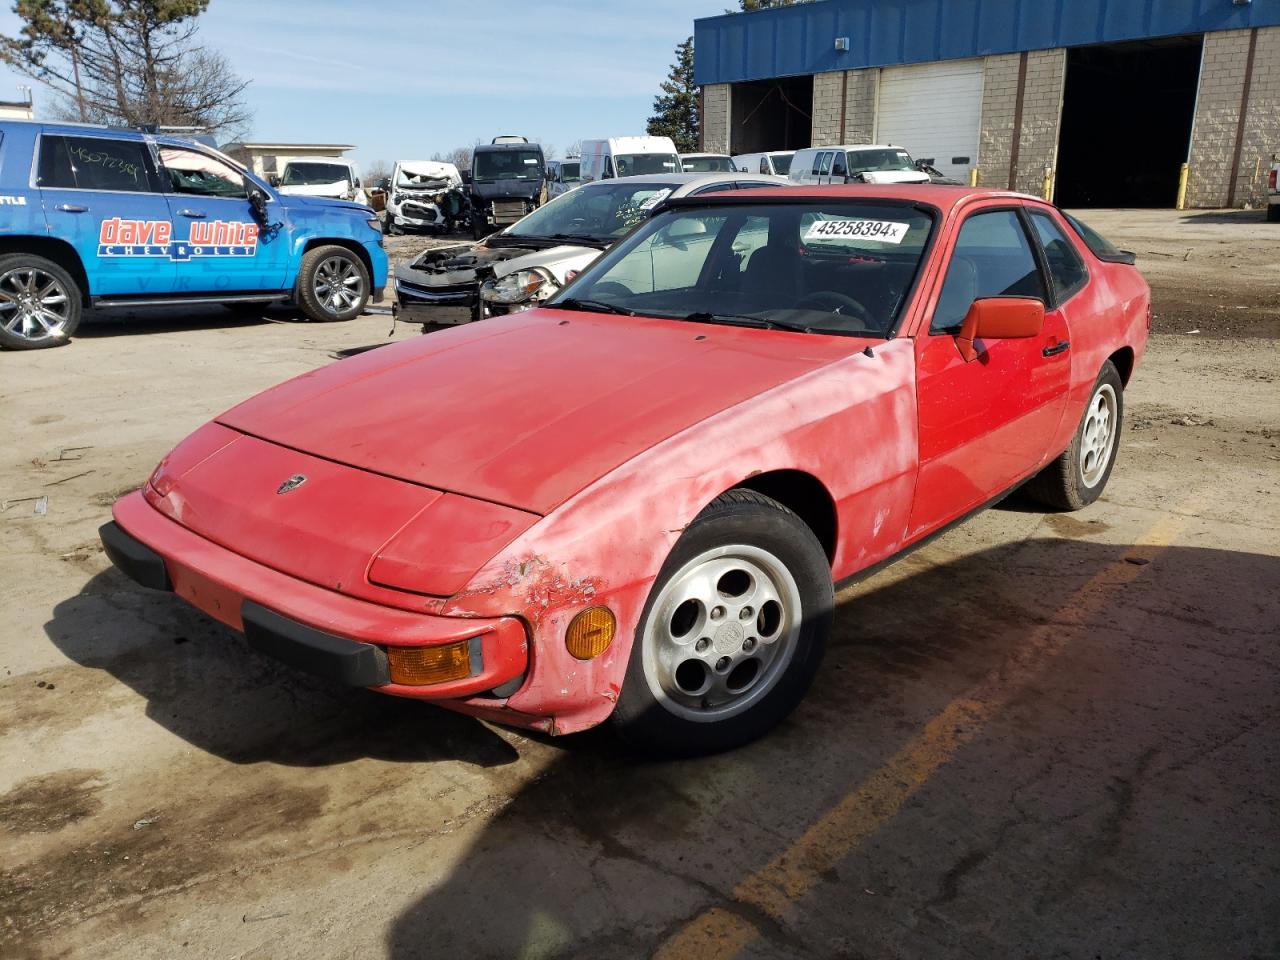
[860, 106]
[715, 118]
[1213, 140]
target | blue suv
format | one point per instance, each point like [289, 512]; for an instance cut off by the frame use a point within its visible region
[108, 217]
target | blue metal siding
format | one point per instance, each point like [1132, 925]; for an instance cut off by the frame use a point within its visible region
[796, 40]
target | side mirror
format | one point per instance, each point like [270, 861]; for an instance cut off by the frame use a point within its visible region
[466, 176]
[356, 183]
[274, 180]
[999, 318]
[258, 205]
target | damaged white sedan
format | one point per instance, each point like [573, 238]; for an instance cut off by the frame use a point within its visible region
[531, 260]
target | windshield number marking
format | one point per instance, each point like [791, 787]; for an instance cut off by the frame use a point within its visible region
[880, 231]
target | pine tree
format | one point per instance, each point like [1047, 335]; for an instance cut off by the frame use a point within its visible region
[675, 110]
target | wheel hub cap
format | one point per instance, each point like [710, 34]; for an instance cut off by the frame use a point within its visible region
[33, 304]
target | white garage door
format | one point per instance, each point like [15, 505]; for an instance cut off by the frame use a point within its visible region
[933, 110]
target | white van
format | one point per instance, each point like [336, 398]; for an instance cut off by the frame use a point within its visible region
[628, 157]
[776, 162]
[859, 163]
[334, 177]
[562, 175]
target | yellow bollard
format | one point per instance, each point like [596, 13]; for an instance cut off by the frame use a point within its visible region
[1046, 192]
[1183, 174]
[973, 176]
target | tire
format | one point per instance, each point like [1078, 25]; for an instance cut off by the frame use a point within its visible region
[1078, 477]
[1273, 213]
[477, 229]
[40, 303]
[333, 284]
[733, 631]
[390, 227]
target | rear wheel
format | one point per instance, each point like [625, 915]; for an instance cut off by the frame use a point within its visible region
[40, 304]
[733, 631]
[1078, 477]
[333, 284]
[1273, 213]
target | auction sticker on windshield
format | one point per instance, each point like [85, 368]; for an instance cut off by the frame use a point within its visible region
[654, 200]
[881, 231]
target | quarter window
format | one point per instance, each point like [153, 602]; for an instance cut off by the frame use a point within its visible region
[189, 171]
[1065, 266]
[992, 258]
[93, 163]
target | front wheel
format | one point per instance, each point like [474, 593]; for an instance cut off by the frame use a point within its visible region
[40, 304]
[733, 631]
[333, 284]
[1078, 477]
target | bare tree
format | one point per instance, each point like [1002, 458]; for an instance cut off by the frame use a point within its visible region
[377, 170]
[574, 149]
[130, 62]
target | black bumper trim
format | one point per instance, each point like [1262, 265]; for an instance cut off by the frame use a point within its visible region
[133, 558]
[314, 651]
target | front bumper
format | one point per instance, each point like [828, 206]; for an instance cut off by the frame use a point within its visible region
[311, 628]
[443, 305]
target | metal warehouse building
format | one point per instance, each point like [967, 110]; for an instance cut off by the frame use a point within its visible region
[1096, 102]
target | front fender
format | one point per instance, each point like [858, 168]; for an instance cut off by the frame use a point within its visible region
[851, 424]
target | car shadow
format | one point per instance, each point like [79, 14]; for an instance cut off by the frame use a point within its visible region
[142, 320]
[1227, 216]
[607, 854]
[205, 684]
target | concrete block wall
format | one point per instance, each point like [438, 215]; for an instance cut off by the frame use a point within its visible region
[1041, 118]
[844, 100]
[1217, 121]
[715, 117]
[999, 100]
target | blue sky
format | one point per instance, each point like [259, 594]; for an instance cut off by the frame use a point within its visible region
[419, 77]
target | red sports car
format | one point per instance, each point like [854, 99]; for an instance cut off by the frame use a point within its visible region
[634, 502]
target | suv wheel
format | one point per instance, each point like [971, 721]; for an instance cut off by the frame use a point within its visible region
[40, 305]
[333, 284]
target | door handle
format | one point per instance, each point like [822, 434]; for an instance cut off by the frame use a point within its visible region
[193, 214]
[71, 208]
[1062, 346]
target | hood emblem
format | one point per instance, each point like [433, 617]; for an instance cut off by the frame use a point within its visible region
[293, 483]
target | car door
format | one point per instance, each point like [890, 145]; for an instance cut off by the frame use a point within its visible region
[987, 424]
[218, 244]
[100, 195]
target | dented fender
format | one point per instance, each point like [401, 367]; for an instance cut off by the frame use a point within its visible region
[850, 424]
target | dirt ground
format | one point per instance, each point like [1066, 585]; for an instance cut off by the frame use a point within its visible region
[1042, 736]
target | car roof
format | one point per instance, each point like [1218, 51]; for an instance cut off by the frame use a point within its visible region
[336, 161]
[854, 146]
[944, 196]
[682, 183]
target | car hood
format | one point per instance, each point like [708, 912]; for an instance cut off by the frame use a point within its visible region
[526, 410]
[895, 176]
[300, 202]
[556, 260]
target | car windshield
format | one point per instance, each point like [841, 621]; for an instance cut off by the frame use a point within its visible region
[314, 174]
[706, 164]
[421, 179]
[645, 164]
[782, 163]
[600, 211]
[570, 171]
[506, 165]
[819, 266]
[874, 161]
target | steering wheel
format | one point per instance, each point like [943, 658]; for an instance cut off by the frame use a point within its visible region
[834, 302]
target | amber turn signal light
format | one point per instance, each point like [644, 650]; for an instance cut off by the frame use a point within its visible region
[420, 666]
[590, 633]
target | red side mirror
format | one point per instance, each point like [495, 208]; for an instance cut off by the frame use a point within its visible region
[999, 318]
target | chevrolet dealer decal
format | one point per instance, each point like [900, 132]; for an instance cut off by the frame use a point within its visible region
[154, 238]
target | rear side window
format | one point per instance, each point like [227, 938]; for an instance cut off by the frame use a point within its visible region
[992, 258]
[1098, 245]
[1065, 266]
[93, 163]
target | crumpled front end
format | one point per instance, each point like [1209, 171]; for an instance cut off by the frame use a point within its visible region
[436, 205]
[442, 286]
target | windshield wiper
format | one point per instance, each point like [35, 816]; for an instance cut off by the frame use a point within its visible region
[744, 320]
[586, 239]
[592, 306]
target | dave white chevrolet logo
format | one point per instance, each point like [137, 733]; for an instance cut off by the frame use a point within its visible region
[293, 483]
[154, 238]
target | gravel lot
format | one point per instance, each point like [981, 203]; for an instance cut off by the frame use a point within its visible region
[1041, 736]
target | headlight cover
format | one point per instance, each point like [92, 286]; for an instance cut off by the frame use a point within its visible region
[374, 224]
[520, 286]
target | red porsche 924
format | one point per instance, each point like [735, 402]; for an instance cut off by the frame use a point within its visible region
[634, 501]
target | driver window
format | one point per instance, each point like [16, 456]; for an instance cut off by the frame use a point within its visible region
[838, 168]
[992, 258]
[826, 164]
[764, 165]
[192, 172]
